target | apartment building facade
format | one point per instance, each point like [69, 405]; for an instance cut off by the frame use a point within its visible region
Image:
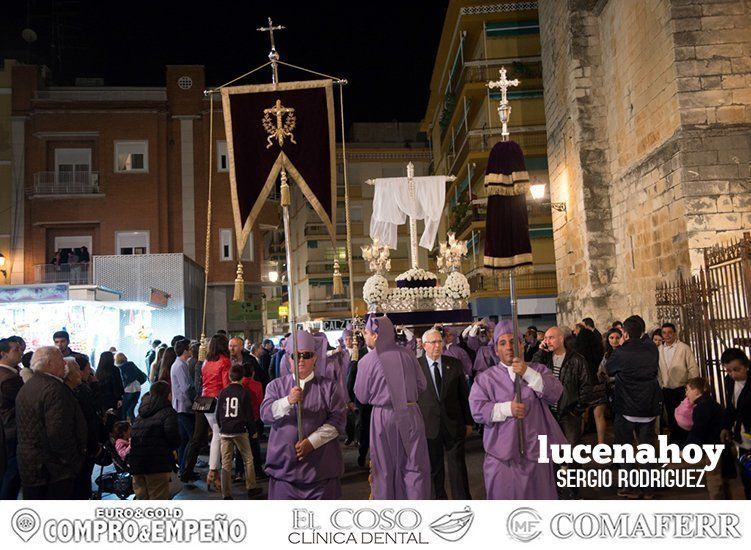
[124, 171]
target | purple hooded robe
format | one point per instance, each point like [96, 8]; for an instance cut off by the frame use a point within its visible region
[318, 475]
[390, 379]
[509, 476]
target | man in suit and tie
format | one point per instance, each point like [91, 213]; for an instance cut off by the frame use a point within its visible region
[677, 365]
[448, 420]
[737, 404]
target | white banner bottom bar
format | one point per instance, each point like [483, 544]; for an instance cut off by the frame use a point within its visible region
[439, 524]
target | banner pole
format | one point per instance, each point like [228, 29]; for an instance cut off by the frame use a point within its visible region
[517, 354]
[285, 201]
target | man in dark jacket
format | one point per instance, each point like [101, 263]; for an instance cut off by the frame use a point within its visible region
[589, 344]
[62, 342]
[448, 421]
[737, 416]
[51, 430]
[531, 344]
[571, 369]
[154, 437]
[151, 354]
[637, 401]
[10, 384]
[362, 425]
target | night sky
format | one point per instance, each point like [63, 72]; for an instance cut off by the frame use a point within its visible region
[386, 49]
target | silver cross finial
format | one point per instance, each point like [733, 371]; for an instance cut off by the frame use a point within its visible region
[273, 54]
[504, 109]
[270, 29]
[503, 83]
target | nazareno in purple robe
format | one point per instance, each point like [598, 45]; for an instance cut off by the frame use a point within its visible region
[485, 358]
[318, 475]
[508, 476]
[390, 379]
[337, 366]
[456, 351]
[478, 341]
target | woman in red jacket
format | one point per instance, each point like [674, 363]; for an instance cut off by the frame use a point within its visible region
[214, 378]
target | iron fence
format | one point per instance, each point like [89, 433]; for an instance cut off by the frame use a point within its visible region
[711, 308]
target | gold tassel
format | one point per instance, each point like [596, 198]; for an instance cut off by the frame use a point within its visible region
[202, 348]
[338, 284]
[239, 294]
[284, 191]
[355, 354]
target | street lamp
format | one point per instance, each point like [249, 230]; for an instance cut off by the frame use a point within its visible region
[538, 193]
[273, 276]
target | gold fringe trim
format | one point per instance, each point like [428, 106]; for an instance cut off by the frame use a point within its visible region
[239, 294]
[507, 179]
[520, 261]
[506, 190]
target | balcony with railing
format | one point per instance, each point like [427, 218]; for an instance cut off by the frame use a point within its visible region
[340, 305]
[541, 283]
[66, 183]
[467, 217]
[75, 274]
[527, 69]
[316, 229]
[477, 73]
[532, 139]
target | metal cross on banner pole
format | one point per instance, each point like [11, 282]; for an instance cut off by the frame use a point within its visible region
[504, 113]
[285, 201]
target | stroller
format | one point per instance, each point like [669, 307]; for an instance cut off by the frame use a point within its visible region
[119, 482]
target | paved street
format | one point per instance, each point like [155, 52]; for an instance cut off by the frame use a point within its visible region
[355, 481]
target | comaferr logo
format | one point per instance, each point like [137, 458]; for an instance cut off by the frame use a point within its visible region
[697, 525]
[452, 527]
[523, 524]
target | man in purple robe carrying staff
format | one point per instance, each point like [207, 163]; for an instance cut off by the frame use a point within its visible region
[390, 379]
[312, 468]
[508, 475]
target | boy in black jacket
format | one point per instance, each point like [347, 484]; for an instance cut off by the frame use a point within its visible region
[234, 415]
[707, 423]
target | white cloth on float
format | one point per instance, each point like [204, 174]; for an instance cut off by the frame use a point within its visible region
[392, 204]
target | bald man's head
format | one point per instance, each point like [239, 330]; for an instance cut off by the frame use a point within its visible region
[554, 338]
[235, 347]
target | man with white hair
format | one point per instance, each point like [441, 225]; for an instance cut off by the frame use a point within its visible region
[51, 430]
[448, 421]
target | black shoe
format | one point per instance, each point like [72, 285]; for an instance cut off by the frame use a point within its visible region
[255, 492]
[239, 478]
[348, 442]
[188, 477]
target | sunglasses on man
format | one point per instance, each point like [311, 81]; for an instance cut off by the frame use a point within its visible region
[305, 354]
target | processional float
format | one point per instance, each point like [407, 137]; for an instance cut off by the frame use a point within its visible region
[280, 133]
[417, 298]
